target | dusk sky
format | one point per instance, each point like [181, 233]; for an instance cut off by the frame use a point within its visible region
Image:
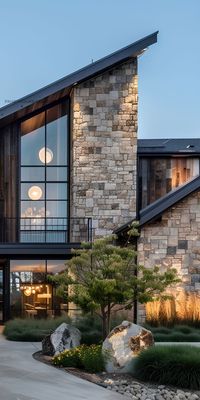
[44, 40]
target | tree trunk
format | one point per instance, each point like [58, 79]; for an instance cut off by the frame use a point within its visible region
[108, 319]
[104, 323]
[135, 311]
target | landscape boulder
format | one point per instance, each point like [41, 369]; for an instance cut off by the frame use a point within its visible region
[64, 337]
[123, 344]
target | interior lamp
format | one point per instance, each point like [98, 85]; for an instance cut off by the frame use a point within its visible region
[45, 152]
[28, 292]
[35, 192]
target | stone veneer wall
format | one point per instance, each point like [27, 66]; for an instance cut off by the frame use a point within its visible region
[104, 148]
[174, 242]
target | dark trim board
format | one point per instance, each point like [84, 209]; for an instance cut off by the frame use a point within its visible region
[32, 250]
[62, 87]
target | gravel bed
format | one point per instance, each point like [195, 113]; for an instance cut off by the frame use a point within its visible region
[140, 391]
[126, 385]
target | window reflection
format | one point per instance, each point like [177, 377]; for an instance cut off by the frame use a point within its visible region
[44, 158]
[158, 176]
[56, 134]
[31, 296]
[56, 173]
[32, 174]
[33, 138]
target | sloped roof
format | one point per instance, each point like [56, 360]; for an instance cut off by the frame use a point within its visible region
[188, 146]
[156, 209]
[62, 87]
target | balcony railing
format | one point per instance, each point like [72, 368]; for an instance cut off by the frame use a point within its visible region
[45, 230]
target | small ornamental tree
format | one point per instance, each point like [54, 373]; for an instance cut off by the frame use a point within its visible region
[103, 276]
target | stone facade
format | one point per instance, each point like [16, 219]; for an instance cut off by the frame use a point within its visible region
[174, 242]
[104, 148]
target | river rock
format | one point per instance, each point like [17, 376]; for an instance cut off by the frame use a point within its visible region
[123, 344]
[64, 337]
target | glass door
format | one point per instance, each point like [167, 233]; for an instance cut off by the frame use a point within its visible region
[1, 294]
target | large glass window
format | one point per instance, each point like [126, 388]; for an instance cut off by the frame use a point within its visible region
[158, 176]
[44, 176]
[31, 295]
[1, 294]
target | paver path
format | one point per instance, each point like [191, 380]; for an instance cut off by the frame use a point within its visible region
[23, 378]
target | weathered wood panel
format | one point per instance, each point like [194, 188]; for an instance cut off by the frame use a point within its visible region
[9, 167]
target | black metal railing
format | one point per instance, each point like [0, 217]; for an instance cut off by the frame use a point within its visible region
[45, 230]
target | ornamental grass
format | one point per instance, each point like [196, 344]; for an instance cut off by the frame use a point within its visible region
[169, 365]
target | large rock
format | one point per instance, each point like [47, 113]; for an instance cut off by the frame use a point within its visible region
[64, 337]
[123, 345]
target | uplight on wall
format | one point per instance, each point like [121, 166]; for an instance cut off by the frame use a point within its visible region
[49, 155]
[35, 193]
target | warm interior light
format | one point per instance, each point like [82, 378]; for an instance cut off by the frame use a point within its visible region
[49, 155]
[28, 292]
[35, 192]
[44, 296]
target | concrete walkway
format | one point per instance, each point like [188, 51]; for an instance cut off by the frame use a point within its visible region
[23, 378]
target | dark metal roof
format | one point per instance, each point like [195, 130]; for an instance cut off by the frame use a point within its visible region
[63, 86]
[168, 146]
[157, 208]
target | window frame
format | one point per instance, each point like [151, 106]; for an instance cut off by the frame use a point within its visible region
[64, 102]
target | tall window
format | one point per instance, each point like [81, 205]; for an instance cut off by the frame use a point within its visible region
[44, 176]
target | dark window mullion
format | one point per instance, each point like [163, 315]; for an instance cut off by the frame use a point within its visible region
[45, 176]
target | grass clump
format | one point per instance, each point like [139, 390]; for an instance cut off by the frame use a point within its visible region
[177, 337]
[185, 329]
[161, 330]
[169, 365]
[176, 333]
[89, 358]
[27, 330]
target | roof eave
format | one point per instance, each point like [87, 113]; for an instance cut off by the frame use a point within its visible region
[81, 75]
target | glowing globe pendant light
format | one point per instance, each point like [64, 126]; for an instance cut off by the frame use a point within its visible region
[35, 193]
[49, 155]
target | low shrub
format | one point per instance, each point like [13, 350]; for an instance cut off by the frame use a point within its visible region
[181, 337]
[169, 365]
[161, 337]
[90, 328]
[93, 359]
[70, 358]
[176, 337]
[89, 358]
[27, 330]
[161, 330]
[91, 337]
[184, 329]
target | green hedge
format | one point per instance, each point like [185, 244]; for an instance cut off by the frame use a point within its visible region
[176, 337]
[176, 333]
[27, 330]
[89, 358]
[169, 365]
[33, 330]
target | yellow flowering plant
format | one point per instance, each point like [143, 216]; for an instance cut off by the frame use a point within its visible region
[85, 357]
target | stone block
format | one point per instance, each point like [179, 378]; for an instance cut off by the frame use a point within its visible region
[183, 244]
[171, 250]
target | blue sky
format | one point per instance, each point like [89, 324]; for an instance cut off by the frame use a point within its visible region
[44, 40]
